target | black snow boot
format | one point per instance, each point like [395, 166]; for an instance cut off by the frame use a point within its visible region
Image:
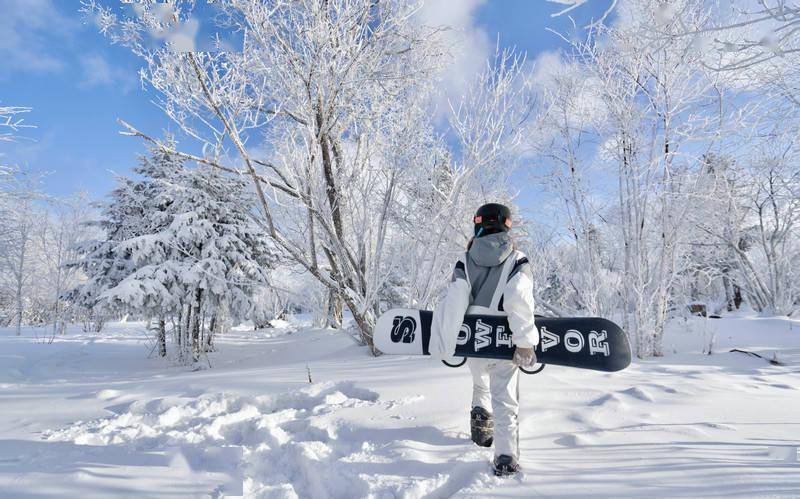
[481, 426]
[505, 465]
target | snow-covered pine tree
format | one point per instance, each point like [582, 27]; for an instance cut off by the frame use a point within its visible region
[121, 217]
[180, 247]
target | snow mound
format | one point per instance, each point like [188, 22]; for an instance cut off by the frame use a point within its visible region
[288, 445]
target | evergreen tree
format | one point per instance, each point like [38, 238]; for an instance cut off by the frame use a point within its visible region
[180, 245]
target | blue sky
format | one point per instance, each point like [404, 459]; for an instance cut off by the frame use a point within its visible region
[79, 85]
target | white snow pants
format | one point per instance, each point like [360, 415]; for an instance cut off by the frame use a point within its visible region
[494, 387]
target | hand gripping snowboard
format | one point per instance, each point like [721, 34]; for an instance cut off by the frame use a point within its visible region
[582, 342]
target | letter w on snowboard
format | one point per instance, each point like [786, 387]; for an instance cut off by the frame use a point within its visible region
[483, 335]
[403, 329]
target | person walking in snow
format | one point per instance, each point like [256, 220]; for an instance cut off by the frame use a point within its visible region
[491, 278]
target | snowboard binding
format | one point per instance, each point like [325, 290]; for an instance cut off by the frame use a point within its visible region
[505, 466]
[481, 427]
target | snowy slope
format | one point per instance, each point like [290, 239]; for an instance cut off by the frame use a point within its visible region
[91, 416]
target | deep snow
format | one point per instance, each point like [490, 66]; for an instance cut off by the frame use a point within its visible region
[92, 416]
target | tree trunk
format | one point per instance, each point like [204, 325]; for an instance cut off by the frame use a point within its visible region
[729, 295]
[194, 325]
[20, 275]
[162, 337]
[335, 310]
[19, 307]
[737, 296]
[212, 329]
[185, 319]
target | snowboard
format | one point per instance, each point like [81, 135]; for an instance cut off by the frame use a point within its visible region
[582, 342]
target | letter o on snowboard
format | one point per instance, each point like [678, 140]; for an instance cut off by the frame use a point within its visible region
[573, 341]
[464, 334]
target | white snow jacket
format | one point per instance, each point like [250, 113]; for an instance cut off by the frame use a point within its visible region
[491, 279]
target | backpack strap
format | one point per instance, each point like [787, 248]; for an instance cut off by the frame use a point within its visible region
[521, 260]
[508, 266]
[464, 261]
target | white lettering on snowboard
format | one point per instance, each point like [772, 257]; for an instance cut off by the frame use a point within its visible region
[548, 339]
[573, 341]
[464, 334]
[503, 337]
[483, 335]
[597, 343]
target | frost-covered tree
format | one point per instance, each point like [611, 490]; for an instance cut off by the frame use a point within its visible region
[17, 262]
[338, 93]
[16, 229]
[23, 217]
[63, 229]
[709, 269]
[181, 246]
[570, 123]
[746, 34]
[758, 35]
[432, 220]
[326, 84]
[642, 113]
[757, 228]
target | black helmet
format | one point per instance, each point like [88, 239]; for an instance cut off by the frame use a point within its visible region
[492, 218]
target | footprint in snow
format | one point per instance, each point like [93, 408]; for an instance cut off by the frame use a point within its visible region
[663, 388]
[573, 440]
[608, 399]
[295, 443]
[638, 393]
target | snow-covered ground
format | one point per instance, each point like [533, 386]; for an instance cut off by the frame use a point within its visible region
[92, 416]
